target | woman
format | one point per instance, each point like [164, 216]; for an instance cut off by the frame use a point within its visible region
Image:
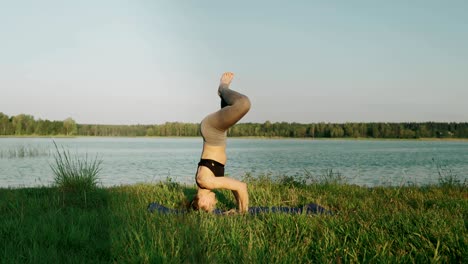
[210, 172]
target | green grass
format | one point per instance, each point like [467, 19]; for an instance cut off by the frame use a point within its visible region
[23, 151]
[111, 225]
[73, 172]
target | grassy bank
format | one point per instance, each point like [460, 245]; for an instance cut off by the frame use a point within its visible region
[406, 224]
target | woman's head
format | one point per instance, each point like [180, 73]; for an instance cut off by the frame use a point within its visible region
[204, 200]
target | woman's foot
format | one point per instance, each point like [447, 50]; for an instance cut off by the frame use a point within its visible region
[226, 80]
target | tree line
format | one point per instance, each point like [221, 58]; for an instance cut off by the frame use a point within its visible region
[27, 125]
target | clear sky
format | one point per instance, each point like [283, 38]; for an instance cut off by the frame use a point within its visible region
[148, 62]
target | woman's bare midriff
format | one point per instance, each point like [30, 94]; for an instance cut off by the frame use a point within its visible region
[217, 153]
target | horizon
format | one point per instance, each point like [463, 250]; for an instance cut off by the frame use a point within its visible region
[150, 62]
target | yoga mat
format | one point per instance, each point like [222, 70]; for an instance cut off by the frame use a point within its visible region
[306, 209]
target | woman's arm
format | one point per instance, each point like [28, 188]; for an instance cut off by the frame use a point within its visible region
[238, 188]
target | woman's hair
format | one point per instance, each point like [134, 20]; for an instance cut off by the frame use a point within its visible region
[206, 205]
[193, 205]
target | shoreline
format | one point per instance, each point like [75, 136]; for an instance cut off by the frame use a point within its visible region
[247, 137]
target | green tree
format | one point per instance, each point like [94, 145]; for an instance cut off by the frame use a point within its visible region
[375, 131]
[69, 126]
[336, 131]
[23, 124]
[5, 125]
[311, 130]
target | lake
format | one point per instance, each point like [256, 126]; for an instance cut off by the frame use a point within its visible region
[25, 162]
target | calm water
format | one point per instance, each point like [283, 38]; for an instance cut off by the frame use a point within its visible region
[134, 160]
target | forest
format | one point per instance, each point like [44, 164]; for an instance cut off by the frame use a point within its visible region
[27, 125]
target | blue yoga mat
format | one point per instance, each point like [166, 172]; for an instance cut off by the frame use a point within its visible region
[306, 209]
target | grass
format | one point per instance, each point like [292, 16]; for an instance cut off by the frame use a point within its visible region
[23, 151]
[111, 225]
[75, 173]
[447, 177]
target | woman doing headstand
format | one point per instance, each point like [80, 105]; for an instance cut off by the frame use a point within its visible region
[210, 172]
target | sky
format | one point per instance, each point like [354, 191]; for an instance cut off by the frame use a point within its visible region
[150, 61]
